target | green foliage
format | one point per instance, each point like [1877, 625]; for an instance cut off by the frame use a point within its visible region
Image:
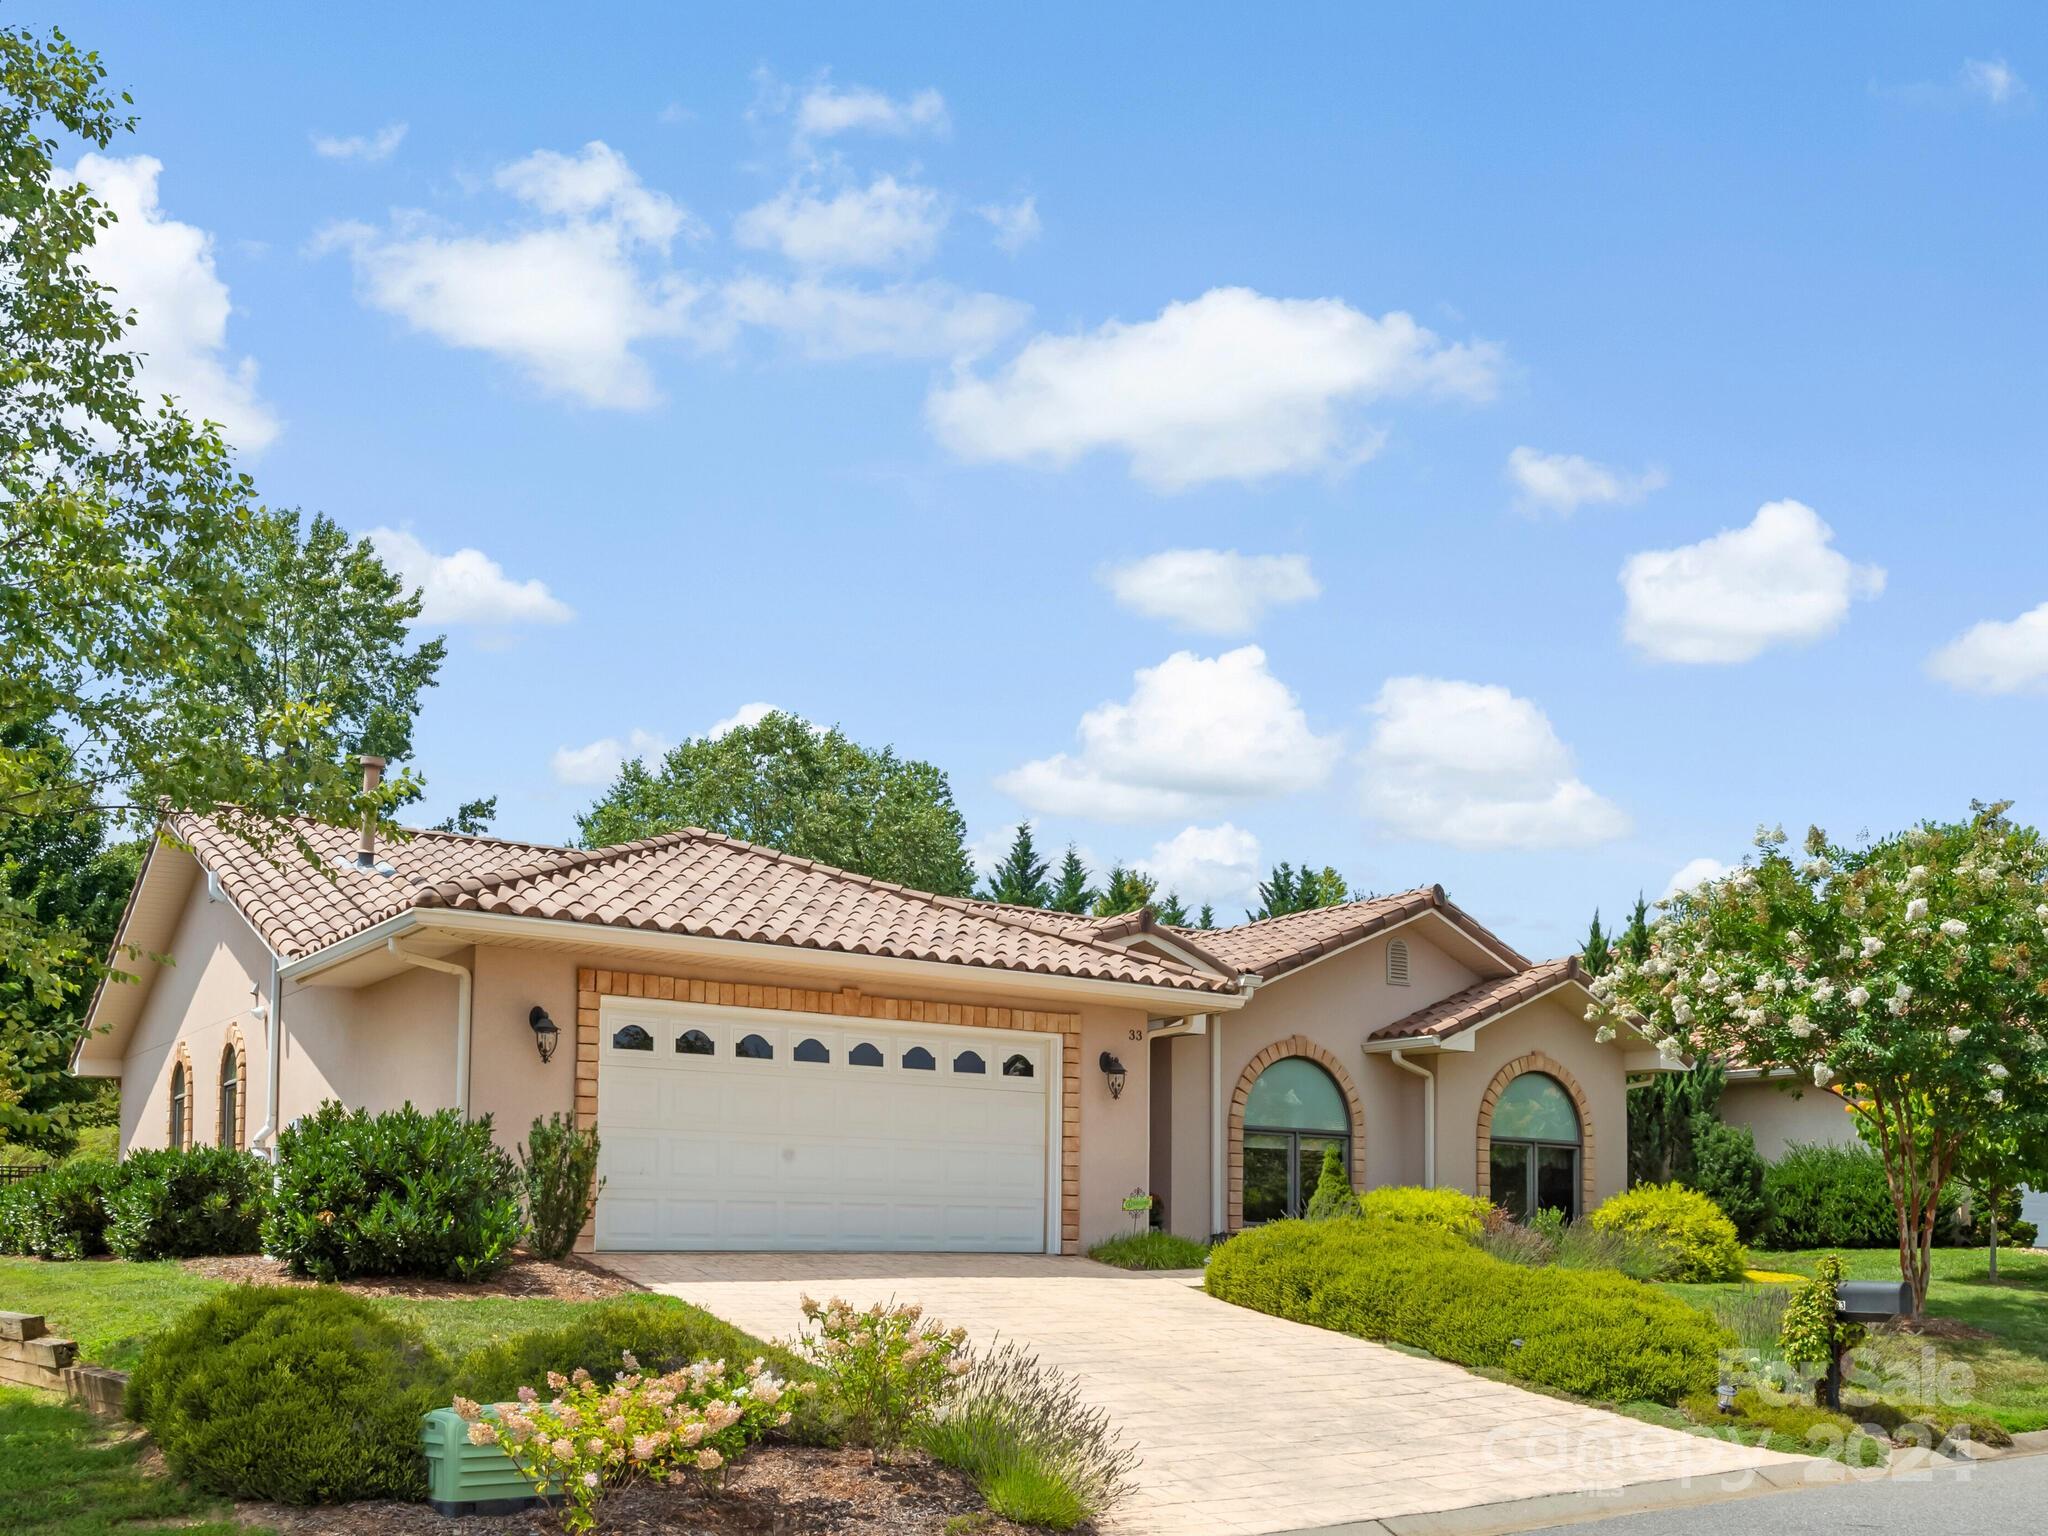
[1151, 1250]
[60, 1213]
[1833, 1196]
[1663, 1115]
[1170, 910]
[1548, 1238]
[186, 1204]
[1333, 1197]
[1697, 1241]
[1071, 891]
[1809, 1429]
[397, 1193]
[472, 818]
[1127, 890]
[1811, 1333]
[303, 1395]
[1206, 918]
[816, 794]
[1597, 1335]
[1288, 890]
[559, 1162]
[1596, 954]
[888, 1367]
[1728, 1171]
[1020, 878]
[63, 1475]
[1038, 1452]
[1447, 1210]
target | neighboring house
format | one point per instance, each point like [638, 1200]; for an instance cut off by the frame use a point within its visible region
[1782, 1108]
[781, 1055]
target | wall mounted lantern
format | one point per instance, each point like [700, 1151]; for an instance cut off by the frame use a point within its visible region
[1114, 1071]
[546, 1033]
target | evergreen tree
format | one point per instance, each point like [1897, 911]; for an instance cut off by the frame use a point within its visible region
[1127, 890]
[1291, 890]
[1169, 910]
[1597, 953]
[1071, 892]
[1634, 943]
[1207, 919]
[1020, 878]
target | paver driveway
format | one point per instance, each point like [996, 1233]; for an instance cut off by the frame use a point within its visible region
[1247, 1423]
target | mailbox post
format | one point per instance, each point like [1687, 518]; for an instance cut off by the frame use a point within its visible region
[1862, 1301]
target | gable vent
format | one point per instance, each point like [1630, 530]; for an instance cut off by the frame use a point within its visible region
[1397, 963]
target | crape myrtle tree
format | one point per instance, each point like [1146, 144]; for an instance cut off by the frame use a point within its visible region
[1906, 975]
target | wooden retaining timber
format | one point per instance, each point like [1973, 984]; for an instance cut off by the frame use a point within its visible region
[31, 1357]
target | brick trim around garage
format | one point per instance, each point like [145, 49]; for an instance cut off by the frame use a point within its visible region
[1279, 1050]
[593, 986]
[1550, 1066]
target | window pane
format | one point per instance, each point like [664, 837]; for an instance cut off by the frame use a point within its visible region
[754, 1048]
[968, 1061]
[1557, 1183]
[693, 1042]
[1017, 1066]
[1265, 1176]
[632, 1038]
[864, 1055]
[813, 1050]
[1311, 1168]
[1510, 1164]
[918, 1059]
[1535, 1107]
[1296, 1094]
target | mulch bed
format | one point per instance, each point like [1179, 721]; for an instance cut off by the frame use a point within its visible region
[1932, 1328]
[778, 1490]
[568, 1279]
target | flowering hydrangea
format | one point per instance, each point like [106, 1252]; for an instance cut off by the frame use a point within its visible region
[890, 1365]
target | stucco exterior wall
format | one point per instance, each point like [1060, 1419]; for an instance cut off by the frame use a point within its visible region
[507, 1077]
[1777, 1117]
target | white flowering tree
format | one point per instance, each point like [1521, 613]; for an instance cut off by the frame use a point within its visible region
[1910, 976]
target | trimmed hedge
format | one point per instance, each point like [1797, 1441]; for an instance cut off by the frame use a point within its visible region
[1686, 1229]
[397, 1193]
[303, 1395]
[183, 1205]
[60, 1213]
[1822, 1196]
[1592, 1333]
[1448, 1210]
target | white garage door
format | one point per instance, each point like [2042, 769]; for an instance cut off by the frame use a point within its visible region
[726, 1131]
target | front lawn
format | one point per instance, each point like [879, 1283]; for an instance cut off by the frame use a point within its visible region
[1997, 1331]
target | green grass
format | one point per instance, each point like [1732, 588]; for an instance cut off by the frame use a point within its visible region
[2007, 1379]
[62, 1474]
[1151, 1250]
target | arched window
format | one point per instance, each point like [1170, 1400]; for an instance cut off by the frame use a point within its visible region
[754, 1048]
[693, 1042]
[1018, 1066]
[632, 1038]
[1536, 1138]
[231, 1096]
[918, 1059]
[1293, 1113]
[181, 1106]
[1397, 963]
[812, 1050]
[864, 1055]
[970, 1061]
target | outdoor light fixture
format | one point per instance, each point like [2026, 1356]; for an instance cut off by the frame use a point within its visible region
[1114, 1071]
[546, 1034]
[1724, 1397]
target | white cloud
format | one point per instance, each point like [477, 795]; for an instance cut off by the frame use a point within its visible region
[599, 761]
[1215, 591]
[1213, 864]
[1564, 482]
[1694, 873]
[1778, 581]
[369, 148]
[911, 320]
[824, 112]
[1197, 732]
[746, 715]
[163, 270]
[1015, 225]
[1474, 766]
[1997, 656]
[565, 301]
[887, 223]
[1994, 80]
[1230, 386]
[466, 587]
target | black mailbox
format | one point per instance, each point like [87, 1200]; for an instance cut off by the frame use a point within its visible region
[1873, 1301]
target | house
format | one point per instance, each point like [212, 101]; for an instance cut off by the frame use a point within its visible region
[782, 1055]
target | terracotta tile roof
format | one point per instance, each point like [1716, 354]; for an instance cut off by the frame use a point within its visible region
[688, 882]
[1275, 945]
[1481, 1001]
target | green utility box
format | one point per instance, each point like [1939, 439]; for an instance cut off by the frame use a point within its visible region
[465, 1479]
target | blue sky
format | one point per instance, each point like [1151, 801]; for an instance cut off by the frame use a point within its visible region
[1608, 430]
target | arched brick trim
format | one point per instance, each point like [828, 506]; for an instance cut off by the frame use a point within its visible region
[234, 1135]
[172, 1108]
[1535, 1061]
[1293, 1045]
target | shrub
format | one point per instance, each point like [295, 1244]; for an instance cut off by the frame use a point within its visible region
[306, 1396]
[1597, 1335]
[398, 1193]
[1449, 1210]
[60, 1213]
[186, 1204]
[1728, 1171]
[2014, 1230]
[1696, 1240]
[1151, 1250]
[1810, 1333]
[1837, 1197]
[1333, 1197]
[1796, 1426]
[559, 1162]
[887, 1366]
[1038, 1453]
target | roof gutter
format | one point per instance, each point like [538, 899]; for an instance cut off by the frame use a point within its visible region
[462, 1015]
[1428, 1113]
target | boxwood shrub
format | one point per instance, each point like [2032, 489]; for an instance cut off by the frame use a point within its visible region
[1683, 1227]
[1593, 1333]
[60, 1213]
[189, 1204]
[302, 1395]
[1821, 1196]
[397, 1193]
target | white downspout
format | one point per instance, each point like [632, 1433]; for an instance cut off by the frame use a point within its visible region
[1428, 1114]
[1219, 1133]
[265, 1139]
[462, 981]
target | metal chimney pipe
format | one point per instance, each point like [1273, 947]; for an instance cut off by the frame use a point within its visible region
[366, 843]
